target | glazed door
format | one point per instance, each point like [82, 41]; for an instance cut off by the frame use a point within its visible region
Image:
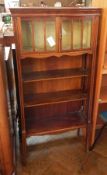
[76, 33]
[39, 35]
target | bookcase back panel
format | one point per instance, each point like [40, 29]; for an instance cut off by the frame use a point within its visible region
[53, 110]
[51, 63]
[52, 86]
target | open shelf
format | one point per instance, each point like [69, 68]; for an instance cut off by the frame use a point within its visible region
[55, 124]
[54, 74]
[103, 95]
[54, 97]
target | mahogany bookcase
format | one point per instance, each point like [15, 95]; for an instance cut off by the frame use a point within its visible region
[56, 60]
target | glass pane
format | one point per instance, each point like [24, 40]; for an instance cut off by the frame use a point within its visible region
[66, 34]
[39, 35]
[87, 33]
[50, 36]
[26, 35]
[77, 30]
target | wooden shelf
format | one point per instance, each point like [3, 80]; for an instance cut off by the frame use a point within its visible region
[103, 95]
[55, 124]
[54, 74]
[54, 97]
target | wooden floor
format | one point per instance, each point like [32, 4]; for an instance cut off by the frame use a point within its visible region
[65, 155]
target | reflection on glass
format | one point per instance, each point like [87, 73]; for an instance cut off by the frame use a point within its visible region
[50, 36]
[87, 33]
[26, 35]
[51, 41]
[66, 34]
[77, 34]
[39, 35]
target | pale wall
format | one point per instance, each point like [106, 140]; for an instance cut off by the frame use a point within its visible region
[99, 3]
[49, 2]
